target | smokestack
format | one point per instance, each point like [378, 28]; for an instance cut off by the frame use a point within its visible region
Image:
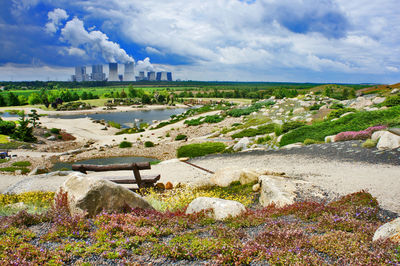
[113, 72]
[129, 74]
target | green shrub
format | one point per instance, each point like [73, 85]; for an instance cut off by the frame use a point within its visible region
[114, 124]
[392, 101]
[336, 106]
[278, 130]
[369, 143]
[7, 127]
[238, 112]
[181, 137]
[55, 130]
[286, 127]
[47, 134]
[339, 112]
[315, 107]
[131, 130]
[149, 144]
[22, 164]
[251, 132]
[13, 169]
[125, 144]
[263, 140]
[200, 149]
[356, 122]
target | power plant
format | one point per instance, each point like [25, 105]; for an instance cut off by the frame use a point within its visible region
[113, 72]
[113, 75]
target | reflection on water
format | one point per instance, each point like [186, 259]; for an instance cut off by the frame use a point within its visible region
[103, 161]
[127, 119]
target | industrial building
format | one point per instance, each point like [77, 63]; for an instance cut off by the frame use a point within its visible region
[97, 73]
[113, 72]
[129, 73]
[151, 76]
[80, 74]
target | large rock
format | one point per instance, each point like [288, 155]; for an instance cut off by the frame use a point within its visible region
[330, 138]
[248, 176]
[389, 230]
[361, 103]
[377, 134]
[242, 144]
[91, 195]
[225, 176]
[221, 209]
[378, 100]
[276, 189]
[388, 141]
[299, 110]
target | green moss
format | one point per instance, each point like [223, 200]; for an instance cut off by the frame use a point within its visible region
[180, 137]
[251, 132]
[149, 144]
[200, 149]
[369, 143]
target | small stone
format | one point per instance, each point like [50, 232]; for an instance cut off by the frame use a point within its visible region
[18, 172]
[221, 209]
[169, 185]
[256, 187]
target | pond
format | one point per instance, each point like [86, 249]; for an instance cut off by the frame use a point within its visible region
[127, 119]
[103, 161]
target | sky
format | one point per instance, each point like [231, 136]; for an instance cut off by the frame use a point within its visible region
[326, 41]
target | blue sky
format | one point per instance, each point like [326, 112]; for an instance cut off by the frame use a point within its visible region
[342, 41]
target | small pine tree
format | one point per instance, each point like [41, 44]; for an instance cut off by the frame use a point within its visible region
[23, 132]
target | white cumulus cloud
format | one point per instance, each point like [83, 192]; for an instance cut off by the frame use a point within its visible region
[56, 17]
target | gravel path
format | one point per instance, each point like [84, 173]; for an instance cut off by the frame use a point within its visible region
[338, 168]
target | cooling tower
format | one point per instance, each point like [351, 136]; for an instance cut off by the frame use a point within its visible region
[129, 74]
[113, 72]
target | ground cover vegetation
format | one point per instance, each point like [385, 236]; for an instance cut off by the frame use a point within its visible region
[339, 232]
[352, 122]
[200, 149]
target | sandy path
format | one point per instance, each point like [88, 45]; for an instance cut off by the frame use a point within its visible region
[382, 181]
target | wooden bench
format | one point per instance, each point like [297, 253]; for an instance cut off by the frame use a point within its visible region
[141, 181]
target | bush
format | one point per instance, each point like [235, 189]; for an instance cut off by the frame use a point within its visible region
[7, 127]
[278, 130]
[369, 143]
[248, 110]
[336, 106]
[181, 137]
[251, 132]
[200, 149]
[355, 122]
[66, 136]
[339, 112]
[55, 130]
[392, 101]
[315, 107]
[125, 144]
[22, 164]
[13, 169]
[286, 127]
[149, 144]
[263, 140]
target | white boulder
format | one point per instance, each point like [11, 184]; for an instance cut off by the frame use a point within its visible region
[378, 100]
[248, 176]
[388, 141]
[377, 134]
[276, 189]
[292, 146]
[242, 144]
[389, 230]
[91, 195]
[330, 138]
[221, 209]
[225, 176]
[299, 110]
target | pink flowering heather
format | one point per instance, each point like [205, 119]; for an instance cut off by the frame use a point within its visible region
[355, 135]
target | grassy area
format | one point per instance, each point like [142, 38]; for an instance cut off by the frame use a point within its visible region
[251, 132]
[200, 149]
[4, 139]
[353, 122]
